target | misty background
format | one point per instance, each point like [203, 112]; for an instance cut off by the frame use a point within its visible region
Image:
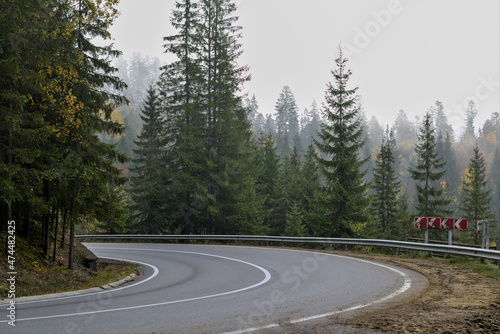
[404, 54]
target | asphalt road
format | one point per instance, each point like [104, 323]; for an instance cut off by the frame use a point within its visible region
[215, 289]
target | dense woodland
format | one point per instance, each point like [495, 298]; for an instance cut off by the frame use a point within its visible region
[97, 143]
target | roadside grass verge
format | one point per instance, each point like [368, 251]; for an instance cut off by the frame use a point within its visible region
[37, 275]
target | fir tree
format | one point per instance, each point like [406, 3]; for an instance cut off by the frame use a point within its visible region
[345, 201]
[476, 196]
[148, 178]
[269, 125]
[311, 125]
[181, 94]
[386, 186]
[440, 120]
[268, 178]
[253, 112]
[287, 122]
[228, 129]
[311, 185]
[495, 178]
[451, 176]
[295, 223]
[428, 172]
[469, 134]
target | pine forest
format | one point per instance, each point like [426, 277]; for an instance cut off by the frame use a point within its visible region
[91, 142]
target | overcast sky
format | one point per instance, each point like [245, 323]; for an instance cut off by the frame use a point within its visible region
[404, 54]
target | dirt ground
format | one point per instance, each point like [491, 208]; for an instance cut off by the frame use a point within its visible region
[455, 300]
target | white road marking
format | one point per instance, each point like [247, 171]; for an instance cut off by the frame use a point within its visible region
[406, 285]
[265, 280]
[155, 272]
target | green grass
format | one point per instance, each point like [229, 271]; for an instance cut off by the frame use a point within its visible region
[480, 266]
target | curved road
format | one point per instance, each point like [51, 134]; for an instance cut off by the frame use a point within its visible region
[214, 289]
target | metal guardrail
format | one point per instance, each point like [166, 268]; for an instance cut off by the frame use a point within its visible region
[457, 250]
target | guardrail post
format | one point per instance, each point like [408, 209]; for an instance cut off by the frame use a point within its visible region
[498, 249]
[330, 248]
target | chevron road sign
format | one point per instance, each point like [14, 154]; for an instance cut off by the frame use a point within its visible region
[460, 224]
[440, 223]
[421, 222]
[434, 222]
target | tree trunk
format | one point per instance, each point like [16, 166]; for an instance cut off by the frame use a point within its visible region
[46, 220]
[71, 234]
[63, 237]
[54, 252]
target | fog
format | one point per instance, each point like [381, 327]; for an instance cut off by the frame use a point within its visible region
[404, 54]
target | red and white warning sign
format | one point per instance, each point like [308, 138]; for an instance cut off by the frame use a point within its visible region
[420, 222]
[440, 223]
[460, 224]
[434, 222]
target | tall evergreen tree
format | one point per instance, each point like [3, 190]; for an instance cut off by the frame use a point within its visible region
[345, 201]
[311, 185]
[386, 186]
[404, 129]
[311, 126]
[181, 91]
[440, 120]
[53, 88]
[210, 154]
[148, 178]
[495, 178]
[94, 168]
[269, 125]
[469, 134]
[428, 172]
[295, 223]
[253, 112]
[268, 179]
[228, 128]
[287, 121]
[475, 192]
[451, 177]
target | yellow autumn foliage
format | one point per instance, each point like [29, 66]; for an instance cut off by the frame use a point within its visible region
[59, 99]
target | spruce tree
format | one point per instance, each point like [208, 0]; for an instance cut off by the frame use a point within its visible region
[344, 199]
[441, 121]
[290, 187]
[311, 185]
[476, 196]
[295, 223]
[386, 187]
[428, 172]
[228, 129]
[52, 86]
[495, 178]
[311, 126]
[452, 177]
[181, 94]
[469, 134]
[287, 122]
[210, 152]
[148, 177]
[268, 178]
